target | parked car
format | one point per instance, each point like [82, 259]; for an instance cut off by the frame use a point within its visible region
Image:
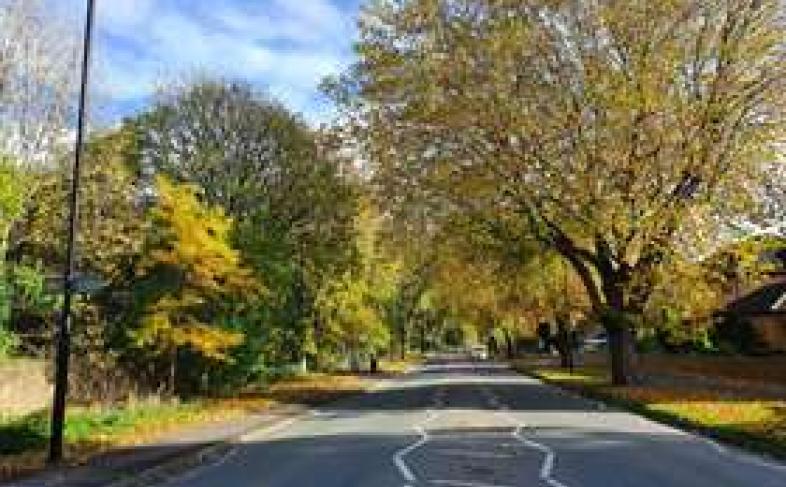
[596, 342]
[479, 352]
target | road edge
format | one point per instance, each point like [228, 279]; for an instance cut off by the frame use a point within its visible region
[180, 467]
[746, 449]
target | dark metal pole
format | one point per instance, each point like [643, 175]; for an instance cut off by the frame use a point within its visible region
[64, 325]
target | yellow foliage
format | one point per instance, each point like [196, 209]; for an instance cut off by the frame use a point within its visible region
[203, 273]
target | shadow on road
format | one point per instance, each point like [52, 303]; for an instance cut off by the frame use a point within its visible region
[471, 456]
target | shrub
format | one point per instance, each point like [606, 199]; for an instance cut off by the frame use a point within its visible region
[9, 342]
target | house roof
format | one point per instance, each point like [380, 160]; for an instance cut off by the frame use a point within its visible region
[768, 299]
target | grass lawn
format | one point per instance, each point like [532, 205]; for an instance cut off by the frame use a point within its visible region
[756, 424]
[397, 366]
[93, 430]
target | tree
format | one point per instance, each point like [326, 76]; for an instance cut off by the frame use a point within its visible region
[350, 308]
[37, 80]
[190, 278]
[12, 198]
[110, 236]
[111, 217]
[13, 186]
[38, 67]
[246, 152]
[284, 188]
[615, 133]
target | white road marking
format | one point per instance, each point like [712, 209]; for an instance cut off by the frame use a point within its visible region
[256, 434]
[470, 453]
[398, 457]
[549, 459]
[740, 456]
[459, 483]
[549, 456]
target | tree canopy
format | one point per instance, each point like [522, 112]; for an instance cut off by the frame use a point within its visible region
[614, 133]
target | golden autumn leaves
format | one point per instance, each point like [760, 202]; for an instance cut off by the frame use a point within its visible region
[191, 244]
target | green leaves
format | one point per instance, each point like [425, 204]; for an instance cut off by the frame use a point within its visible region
[14, 190]
[608, 130]
[277, 179]
[202, 275]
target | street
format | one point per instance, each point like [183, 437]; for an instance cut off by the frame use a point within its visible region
[470, 424]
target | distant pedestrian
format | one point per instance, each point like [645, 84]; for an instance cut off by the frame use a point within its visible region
[544, 336]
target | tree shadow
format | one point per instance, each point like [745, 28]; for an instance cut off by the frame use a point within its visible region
[481, 457]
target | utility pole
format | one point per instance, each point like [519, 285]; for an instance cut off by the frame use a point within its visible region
[63, 336]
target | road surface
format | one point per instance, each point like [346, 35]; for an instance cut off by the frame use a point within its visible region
[464, 424]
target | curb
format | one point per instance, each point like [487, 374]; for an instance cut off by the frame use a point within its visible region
[182, 465]
[741, 450]
[176, 464]
[162, 467]
[187, 462]
[169, 470]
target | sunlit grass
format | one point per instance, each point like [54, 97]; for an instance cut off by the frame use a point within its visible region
[756, 423]
[400, 366]
[89, 431]
[94, 430]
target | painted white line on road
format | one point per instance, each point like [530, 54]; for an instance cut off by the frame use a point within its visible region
[231, 452]
[460, 483]
[454, 452]
[740, 456]
[398, 457]
[256, 434]
[549, 456]
[549, 459]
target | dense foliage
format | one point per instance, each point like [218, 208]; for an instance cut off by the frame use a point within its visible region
[620, 135]
[495, 165]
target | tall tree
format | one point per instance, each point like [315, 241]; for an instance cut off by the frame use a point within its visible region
[38, 67]
[616, 132]
[111, 211]
[351, 307]
[190, 278]
[293, 208]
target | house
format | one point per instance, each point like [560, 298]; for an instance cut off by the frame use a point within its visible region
[765, 308]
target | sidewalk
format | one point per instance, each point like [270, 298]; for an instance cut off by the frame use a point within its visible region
[166, 456]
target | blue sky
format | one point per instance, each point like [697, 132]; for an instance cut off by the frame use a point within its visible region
[283, 46]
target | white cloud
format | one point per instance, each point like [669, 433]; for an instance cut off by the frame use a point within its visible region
[286, 46]
[121, 16]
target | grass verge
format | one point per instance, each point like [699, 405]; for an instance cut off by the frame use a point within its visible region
[91, 431]
[754, 424]
[397, 366]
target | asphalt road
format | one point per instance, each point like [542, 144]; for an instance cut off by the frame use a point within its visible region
[464, 424]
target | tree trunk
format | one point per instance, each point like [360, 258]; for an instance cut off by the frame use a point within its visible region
[563, 347]
[403, 337]
[173, 371]
[614, 310]
[621, 349]
[509, 345]
[619, 328]
[317, 359]
[354, 360]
